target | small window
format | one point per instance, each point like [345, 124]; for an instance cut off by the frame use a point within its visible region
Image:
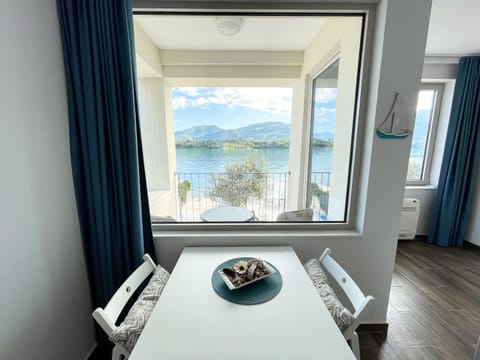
[428, 106]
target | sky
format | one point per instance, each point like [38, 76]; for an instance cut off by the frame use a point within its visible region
[234, 107]
[425, 98]
[230, 107]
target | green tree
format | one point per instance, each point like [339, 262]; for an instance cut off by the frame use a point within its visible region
[243, 180]
[183, 189]
[321, 195]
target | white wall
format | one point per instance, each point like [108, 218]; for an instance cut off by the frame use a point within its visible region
[426, 195]
[156, 149]
[44, 302]
[158, 141]
[148, 56]
[399, 47]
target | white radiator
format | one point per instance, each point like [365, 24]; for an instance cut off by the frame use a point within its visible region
[409, 219]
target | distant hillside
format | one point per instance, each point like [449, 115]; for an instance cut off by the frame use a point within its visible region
[205, 132]
[323, 135]
[262, 131]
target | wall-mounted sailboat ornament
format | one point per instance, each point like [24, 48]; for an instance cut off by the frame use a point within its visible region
[396, 124]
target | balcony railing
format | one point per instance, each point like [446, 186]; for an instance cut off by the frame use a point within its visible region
[264, 193]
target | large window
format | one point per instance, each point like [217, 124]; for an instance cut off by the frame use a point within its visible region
[426, 118]
[254, 114]
[231, 146]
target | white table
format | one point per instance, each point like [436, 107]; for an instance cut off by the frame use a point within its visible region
[191, 322]
[227, 214]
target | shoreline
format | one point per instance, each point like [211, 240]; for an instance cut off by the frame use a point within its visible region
[245, 144]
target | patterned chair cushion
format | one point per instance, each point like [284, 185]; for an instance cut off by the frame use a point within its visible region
[156, 284]
[128, 332]
[342, 316]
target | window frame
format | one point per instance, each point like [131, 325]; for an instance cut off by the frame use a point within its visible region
[321, 66]
[351, 224]
[438, 88]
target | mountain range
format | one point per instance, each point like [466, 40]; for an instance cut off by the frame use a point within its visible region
[276, 130]
[260, 131]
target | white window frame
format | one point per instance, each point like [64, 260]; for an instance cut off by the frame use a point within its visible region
[318, 70]
[432, 133]
[349, 226]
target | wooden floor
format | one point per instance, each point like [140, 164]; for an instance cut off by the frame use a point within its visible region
[434, 309]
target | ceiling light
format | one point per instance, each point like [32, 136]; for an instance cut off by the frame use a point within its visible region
[229, 25]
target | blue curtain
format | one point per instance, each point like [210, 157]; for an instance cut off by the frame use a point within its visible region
[453, 201]
[106, 151]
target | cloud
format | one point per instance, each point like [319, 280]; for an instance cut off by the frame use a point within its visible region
[190, 91]
[325, 94]
[325, 114]
[271, 100]
[179, 102]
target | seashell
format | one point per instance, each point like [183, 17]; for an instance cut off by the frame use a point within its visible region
[251, 270]
[231, 274]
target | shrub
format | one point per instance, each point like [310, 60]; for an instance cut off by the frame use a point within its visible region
[243, 180]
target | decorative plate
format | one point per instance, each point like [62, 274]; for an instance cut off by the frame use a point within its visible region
[256, 293]
[245, 271]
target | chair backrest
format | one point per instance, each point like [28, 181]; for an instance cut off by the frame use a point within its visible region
[355, 295]
[296, 215]
[108, 316]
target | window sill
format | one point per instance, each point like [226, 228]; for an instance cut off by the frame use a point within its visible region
[233, 231]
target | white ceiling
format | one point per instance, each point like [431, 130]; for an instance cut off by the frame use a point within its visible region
[454, 28]
[266, 33]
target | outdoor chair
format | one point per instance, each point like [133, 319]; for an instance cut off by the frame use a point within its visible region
[345, 319]
[125, 335]
[296, 215]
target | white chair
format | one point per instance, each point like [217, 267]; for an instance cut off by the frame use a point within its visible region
[296, 215]
[355, 295]
[108, 316]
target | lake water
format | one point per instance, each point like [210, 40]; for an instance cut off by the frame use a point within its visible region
[192, 162]
[214, 160]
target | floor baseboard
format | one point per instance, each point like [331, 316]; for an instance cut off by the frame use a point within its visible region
[380, 328]
[466, 244]
[102, 352]
[92, 350]
[471, 245]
